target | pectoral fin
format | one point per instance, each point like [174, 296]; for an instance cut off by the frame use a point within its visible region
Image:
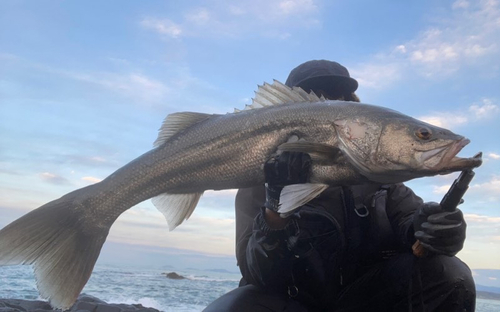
[296, 195]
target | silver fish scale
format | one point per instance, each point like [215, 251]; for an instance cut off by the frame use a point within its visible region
[228, 151]
[224, 151]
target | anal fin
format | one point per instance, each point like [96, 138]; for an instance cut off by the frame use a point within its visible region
[176, 207]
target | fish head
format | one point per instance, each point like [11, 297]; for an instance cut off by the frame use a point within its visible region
[399, 148]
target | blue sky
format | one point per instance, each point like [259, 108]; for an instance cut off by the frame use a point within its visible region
[85, 85]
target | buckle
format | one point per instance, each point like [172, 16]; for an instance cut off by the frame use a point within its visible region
[361, 211]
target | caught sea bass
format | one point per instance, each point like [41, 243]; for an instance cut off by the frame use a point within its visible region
[349, 143]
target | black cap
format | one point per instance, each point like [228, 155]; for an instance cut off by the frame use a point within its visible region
[322, 75]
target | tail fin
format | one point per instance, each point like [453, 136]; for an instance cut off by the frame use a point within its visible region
[61, 242]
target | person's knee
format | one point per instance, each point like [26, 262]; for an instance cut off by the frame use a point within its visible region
[450, 278]
[451, 272]
[250, 298]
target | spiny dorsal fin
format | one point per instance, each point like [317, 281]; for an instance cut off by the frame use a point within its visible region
[278, 93]
[177, 122]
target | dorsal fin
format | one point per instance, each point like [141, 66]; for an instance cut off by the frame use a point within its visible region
[278, 93]
[177, 122]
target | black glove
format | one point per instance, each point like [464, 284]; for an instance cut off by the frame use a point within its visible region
[439, 231]
[284, 169]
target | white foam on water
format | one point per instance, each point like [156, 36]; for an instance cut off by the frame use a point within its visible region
[145, 302]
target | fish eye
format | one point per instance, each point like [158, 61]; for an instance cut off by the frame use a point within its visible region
[423, 133]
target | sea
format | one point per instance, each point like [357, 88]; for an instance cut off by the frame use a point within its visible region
[149, 287]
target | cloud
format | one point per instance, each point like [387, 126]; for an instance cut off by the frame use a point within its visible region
[218, 233]
[440, 190]
[483, 110]
[481, 219]
[292, 7]
[9, 57]
[490, 190]
[249, 17]
[466, 39]
[445, 120]
[53, 178]
[493, 156]
[483, 229]
[460, 4]
[200, 16]
[98, 159]
[485, 191]
[376, 76]
[222, 193]
[486, 110]
[133, 85]
[162, 26]
[92, 180]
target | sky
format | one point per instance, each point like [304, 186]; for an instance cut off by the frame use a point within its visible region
[85, 86]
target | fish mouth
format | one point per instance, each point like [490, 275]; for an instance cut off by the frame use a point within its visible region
[450, 162]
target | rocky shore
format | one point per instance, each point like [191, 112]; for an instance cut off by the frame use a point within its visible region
[85, 303]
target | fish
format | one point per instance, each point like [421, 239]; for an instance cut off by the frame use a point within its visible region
[349, 143]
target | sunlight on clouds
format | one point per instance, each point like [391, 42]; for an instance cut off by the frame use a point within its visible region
[91, 180]
[493, 156]
[221, 193]
[53, 178]
[481, 219]
[445, 120]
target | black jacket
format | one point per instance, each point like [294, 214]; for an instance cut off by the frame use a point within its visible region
[327, 243]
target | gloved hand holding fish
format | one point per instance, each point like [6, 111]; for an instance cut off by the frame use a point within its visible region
[349, 144]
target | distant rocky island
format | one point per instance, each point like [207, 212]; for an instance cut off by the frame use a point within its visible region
[173, 275]
[488, 295]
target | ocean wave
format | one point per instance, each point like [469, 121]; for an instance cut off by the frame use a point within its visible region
[211, 279]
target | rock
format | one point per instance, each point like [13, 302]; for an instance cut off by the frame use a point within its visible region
[174, 275]
[85, 303]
